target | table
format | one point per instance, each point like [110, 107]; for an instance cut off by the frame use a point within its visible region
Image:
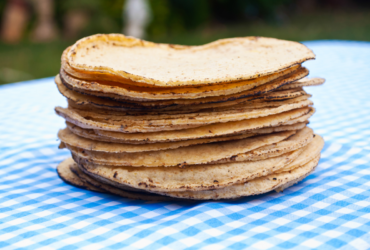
[329, 210]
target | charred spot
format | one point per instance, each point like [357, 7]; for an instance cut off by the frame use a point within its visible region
[274, 179]
[143, 184]
[215, 181]
[115, 174]
[182, 165]
[233, 157]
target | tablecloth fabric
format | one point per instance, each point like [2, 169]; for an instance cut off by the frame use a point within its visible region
[329, 210]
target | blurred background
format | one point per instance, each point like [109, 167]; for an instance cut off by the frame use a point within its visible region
[33, 33]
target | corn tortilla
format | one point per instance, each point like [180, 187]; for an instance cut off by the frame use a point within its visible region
[169, 65]
[122, 145]
[261, 185]
[194, 178]
[119, 124]
[68, 176]
[193, 155]
[213, 130]
[117, 91]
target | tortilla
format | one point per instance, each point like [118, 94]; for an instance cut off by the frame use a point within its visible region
[185, 112]
[126, 125]
[261, 185]
[131, 193]
[67, 175]
[168, 65]
[305, 82]
[113, 90]
[67, 137]
[302, 138]
[89, 102]
[194, 178]
[193, 155]
[255, 93]
[277, 182]
[91, 135]
[213, 130]
[230, 151]
[311, 151]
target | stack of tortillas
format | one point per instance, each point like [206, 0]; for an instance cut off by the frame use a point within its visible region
[161, 121]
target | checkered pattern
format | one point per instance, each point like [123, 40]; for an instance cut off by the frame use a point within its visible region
[329, 210]
[343, 102]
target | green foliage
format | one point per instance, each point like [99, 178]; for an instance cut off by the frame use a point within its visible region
[104, 16]
[241, 10]
[160, 17]
[2, 7]
[177, 16]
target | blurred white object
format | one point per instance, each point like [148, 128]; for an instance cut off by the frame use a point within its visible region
[137, 16]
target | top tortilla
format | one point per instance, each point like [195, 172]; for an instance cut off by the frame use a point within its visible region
[165, 65]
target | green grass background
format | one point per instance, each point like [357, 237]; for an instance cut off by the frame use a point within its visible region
[26, 60]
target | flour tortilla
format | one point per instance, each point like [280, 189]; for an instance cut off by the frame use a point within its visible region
[192, 155]
[168, 65]
[131, 126]
[213, 130]
[261, 185]
[194, 178]
[67, 175]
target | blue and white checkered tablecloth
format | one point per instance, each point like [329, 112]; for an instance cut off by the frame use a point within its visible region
[329, 210]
